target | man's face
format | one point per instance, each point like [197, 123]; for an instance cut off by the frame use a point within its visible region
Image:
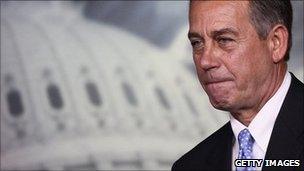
[232, 62]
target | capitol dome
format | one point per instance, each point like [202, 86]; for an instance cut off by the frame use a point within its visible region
[77, 94]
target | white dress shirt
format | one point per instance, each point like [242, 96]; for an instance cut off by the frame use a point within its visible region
[262, 124]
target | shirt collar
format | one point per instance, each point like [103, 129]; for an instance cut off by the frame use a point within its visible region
[262, 124]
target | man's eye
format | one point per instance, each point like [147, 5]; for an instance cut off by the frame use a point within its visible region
[224, 40]
[196, 43]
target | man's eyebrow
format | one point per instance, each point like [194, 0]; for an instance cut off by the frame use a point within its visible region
[228, 30]
[193, 34]
[215, 33]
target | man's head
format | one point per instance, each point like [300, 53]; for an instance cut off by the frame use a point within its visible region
[238, 52]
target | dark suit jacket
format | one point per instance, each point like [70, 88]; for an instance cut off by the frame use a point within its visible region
[286, 141]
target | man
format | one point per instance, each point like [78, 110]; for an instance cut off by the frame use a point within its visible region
[240, 50]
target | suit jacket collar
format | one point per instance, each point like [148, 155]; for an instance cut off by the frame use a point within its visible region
[286, 141]
[221, 158]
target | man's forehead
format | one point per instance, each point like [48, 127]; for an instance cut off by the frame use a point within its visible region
[214, 4]
[219, 8]
[216, 15]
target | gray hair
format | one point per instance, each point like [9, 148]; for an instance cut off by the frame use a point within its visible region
[265, 14]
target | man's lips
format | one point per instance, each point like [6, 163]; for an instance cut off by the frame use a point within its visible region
[207, 82]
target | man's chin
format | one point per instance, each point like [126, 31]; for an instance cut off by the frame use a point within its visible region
[221, 105]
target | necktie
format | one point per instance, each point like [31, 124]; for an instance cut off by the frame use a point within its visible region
[245, 147]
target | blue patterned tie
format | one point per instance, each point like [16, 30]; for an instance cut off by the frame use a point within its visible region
[245, 148]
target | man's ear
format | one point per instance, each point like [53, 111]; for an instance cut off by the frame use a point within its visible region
[278, 42]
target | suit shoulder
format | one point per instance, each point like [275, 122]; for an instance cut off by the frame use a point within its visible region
[202, 151]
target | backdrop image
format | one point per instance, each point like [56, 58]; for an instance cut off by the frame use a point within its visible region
[107, 85]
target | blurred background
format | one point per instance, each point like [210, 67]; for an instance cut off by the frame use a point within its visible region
[106, 85]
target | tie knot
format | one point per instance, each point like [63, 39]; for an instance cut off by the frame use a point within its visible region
[245, 134]
[245, 140]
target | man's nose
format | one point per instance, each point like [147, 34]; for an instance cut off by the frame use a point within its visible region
[209, 59]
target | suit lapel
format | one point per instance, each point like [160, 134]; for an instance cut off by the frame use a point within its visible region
[286, 141]
[221, 158]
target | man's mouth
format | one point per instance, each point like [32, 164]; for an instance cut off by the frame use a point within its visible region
[216, 81]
